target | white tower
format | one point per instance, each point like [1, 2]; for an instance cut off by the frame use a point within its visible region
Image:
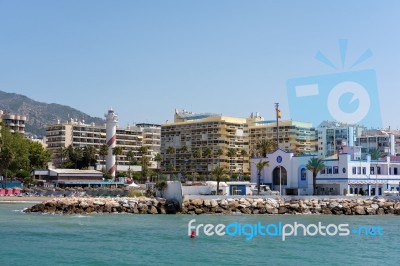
[111, 140]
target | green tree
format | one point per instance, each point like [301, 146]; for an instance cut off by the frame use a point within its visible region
[161, 186]
[260, 166]
[375, 154]
[130, 156]
[265, 146]
[38, 156]
[171, 151]
[144, 161]
[76, 154]
[244, 154]
[207, 153]
[219, 153]
[315, 165]
[231, 153]
[219, 173]
[103, 152]
[158, 158]
[89, 155]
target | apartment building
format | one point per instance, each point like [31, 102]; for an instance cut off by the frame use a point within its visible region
[16, 123]
[79, 134]
[385, 140]
[197, 138]
[333, 136]
[294, 136]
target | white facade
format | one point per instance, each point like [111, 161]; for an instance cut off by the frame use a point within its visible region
[332, 136]
[287, 173]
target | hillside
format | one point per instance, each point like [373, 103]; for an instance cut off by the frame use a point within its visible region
[40, 114]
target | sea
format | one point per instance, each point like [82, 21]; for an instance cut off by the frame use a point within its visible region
[128, 239]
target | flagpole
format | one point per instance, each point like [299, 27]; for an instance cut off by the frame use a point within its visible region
[277, 124]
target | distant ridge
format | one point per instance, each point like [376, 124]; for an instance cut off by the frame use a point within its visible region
[39, 114]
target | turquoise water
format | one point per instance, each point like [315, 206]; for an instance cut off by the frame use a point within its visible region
[126, 239]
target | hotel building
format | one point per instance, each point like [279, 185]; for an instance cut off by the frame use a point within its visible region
[203, 132]
[297, 137]
[79, 134]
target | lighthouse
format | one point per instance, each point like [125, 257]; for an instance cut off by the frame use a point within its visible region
[111, 140]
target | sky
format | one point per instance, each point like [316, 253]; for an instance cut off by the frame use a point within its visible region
[146, 58]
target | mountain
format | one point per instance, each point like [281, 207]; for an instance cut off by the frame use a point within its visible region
[39, 114]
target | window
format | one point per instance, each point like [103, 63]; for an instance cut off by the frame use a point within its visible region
[364, 170]
[322, 171]
[359, 170]
[344, 170]
[354, 170]
[379, 170]
[329, 170]
[390, 170]
[395, 171]
[303, 174]
[336, 169]
[372, 170]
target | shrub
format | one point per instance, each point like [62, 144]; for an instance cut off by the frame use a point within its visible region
[135, 193]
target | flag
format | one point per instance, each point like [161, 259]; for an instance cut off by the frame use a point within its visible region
[278, 113]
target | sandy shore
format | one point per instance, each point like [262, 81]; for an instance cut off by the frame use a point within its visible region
[23, 199]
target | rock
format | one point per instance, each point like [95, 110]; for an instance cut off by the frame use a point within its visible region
[197, 202]
[371, 211]
[271, 210]
[153, 210]
[282, 210]
[380, 211]
[213, 203]
[198, 211]
[359, 210]
[207, 203]
[375, 206]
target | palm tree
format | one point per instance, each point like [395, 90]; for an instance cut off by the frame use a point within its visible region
[375, 154]
[184, 150]
[196, 154]
[243, 153]
[62, 152]
[158, 158]
[219, 153]
[219, 173]
[315, 165]
[171, 150]
[130, 156]
[265, 146]
[260, 166]
[89, 152]
[77, 155]
[231, 153]
[144, 151]
[117, 150]
[103, 152]
[207, 153]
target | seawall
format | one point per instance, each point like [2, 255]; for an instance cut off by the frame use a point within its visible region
[142, 205]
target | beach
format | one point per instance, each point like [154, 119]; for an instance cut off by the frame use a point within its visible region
[24, 199]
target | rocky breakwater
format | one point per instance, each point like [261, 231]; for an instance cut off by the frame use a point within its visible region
[336, 206]
[140, 205]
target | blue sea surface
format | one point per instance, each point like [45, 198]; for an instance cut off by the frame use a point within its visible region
[128, 239]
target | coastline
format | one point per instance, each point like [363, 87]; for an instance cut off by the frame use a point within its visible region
[32, 199]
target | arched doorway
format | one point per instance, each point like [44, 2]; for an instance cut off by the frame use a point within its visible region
[279, 177]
